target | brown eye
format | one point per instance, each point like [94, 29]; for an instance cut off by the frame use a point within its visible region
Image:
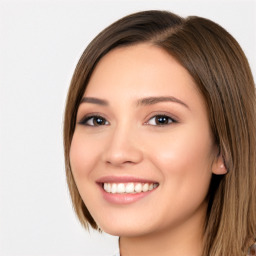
[94, 121]
[160, 120]
[99, 121]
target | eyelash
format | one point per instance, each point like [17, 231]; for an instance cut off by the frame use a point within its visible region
[86, 119]
[92, 118]
[164, 117]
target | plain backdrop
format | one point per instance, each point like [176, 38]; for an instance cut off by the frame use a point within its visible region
[40, 44]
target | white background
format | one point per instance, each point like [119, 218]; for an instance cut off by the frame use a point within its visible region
[40, 44]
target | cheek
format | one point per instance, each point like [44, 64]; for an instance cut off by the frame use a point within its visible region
[184, 159]
[82, 156]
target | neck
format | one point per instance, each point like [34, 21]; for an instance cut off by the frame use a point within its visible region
[183, 240]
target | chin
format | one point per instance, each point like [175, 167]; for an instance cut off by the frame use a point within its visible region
[128, 229]
[125, 231]
[124, 228]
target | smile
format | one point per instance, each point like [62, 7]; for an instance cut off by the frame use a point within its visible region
[128, 188]
[125, 189]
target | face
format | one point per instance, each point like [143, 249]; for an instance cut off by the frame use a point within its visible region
[142, 153]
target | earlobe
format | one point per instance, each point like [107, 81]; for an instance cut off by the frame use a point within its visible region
[219, 167]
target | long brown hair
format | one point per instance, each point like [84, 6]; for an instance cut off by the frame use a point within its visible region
[222, 73]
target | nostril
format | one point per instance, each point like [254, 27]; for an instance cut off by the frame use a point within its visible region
[122, 149]
[123, 159]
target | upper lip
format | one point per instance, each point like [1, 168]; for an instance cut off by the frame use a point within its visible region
[123, 179]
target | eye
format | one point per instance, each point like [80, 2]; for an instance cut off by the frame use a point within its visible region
[94, 121]
[160, 120]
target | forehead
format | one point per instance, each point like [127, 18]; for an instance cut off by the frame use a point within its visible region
[141, 70]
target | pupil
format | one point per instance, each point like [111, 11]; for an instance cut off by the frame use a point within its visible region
[99, 121]
[162, 120]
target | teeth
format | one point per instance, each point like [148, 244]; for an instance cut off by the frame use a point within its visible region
[120, 188]
[105, 186]
[145, 187]
[114, 188]
[129, 188]
[138, 188]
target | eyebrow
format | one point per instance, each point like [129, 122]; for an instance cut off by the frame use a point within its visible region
[154, 100]
[141, 102]
[94, 101]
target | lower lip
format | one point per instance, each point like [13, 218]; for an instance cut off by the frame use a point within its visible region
[124, 198]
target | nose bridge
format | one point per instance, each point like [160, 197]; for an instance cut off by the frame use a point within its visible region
[123, 145]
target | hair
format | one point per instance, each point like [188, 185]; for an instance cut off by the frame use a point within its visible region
[221, 71]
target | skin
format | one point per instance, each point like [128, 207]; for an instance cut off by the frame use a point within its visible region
[180, 155]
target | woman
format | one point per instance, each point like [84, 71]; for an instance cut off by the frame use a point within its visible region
[159, 137]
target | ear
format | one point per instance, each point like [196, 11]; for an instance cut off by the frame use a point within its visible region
[218, 166]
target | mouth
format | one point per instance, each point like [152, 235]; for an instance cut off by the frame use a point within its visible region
[128, 188]
[125, 190]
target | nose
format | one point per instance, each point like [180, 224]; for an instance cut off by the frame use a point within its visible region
[123, 148]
